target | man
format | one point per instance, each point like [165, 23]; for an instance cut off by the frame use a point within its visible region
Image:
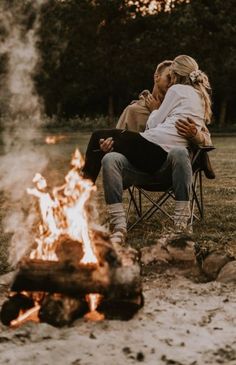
[119, 174]
[135, 115]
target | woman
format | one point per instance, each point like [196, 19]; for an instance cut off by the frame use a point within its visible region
[147, 151]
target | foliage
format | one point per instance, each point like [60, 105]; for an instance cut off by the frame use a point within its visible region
[97, 55]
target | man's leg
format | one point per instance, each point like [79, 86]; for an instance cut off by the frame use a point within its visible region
[119, 174]
[179, 161]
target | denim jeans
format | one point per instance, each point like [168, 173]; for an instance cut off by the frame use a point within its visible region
[119, 174]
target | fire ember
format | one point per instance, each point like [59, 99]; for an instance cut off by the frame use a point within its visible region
[73, 270]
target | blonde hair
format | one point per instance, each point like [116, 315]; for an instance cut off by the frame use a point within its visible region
[186, 71]
[161, 66]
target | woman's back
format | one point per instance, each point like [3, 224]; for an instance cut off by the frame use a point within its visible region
[181, 102]
[190, 100]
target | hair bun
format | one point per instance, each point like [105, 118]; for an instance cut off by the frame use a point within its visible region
[197, 76]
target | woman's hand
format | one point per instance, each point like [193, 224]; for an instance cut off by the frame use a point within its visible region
[106, 145]
[186, 128]
[152, 103]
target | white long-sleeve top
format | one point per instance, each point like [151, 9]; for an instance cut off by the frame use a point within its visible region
[180, 102]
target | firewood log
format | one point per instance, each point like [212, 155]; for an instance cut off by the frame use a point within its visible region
[121, 309]
[65, 277]
[61, 310]
[11, 307]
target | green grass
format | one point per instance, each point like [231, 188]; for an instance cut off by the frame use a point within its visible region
[218, 229]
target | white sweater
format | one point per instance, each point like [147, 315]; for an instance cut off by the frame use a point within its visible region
[180, 102]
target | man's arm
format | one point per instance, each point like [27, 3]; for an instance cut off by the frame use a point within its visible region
[169, 103]
[189, 130]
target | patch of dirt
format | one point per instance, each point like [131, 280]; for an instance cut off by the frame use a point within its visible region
[182, 322]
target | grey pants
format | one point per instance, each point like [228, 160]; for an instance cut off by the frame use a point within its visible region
[119, 174]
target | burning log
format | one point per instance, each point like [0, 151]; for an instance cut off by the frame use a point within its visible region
[59, 310]
[67, 282]
[59, 277]
[13, 306]
[71, 263]
[65, 285]
[117, 273]
[121, 309]
[72, 251]
[66, 278]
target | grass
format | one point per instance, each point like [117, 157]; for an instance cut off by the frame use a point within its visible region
[218, 229]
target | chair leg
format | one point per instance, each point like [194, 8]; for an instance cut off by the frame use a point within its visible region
[140, 202]
[133, 200]
[193, 199]
[197, 200]
[201, 194]
[156, 205]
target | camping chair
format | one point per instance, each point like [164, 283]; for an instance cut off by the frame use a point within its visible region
[137, 194]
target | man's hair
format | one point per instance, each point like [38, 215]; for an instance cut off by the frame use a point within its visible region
[161, 66]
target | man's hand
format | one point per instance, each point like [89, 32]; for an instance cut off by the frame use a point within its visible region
[186, 128]
[106, 145]
[152, 103]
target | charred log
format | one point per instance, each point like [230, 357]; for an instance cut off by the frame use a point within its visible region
[60, 310]
[121, 309]
[66, 278]
[11, 308]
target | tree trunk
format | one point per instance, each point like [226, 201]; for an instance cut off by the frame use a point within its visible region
[223, 111]
[110, 110]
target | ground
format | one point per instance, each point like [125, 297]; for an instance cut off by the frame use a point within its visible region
[184, 321]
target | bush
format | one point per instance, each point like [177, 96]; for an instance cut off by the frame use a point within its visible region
[75, 123]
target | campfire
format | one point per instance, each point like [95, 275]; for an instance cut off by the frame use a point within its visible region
[72, 270]
[54, 139]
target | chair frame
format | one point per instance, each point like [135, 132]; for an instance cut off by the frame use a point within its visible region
[196, 195]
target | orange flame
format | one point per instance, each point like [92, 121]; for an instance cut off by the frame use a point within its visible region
[54, 139]
[29, 315]
[63, 213]
[94, 300]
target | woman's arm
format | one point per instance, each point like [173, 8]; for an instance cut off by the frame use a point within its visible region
[171, 100]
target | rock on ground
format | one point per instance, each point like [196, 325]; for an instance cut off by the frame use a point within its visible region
[213, 263]
[228, 273]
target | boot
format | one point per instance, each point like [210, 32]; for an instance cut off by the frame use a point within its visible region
[118, 225]
[181, 217]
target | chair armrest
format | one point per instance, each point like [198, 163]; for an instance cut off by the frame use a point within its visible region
[201, 158]
[197, 150]
[205, 148]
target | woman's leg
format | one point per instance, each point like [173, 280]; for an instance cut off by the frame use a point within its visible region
[142, 154]
[94, 154]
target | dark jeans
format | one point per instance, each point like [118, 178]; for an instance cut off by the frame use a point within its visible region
[144, 155]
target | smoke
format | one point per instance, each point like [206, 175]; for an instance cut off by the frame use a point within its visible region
[21, 123]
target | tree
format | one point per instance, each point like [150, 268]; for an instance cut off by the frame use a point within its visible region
[98, 54]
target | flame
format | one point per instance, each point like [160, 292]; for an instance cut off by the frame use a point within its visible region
[93, 301]
[63, 213]
[54, 139]
[29, 315]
